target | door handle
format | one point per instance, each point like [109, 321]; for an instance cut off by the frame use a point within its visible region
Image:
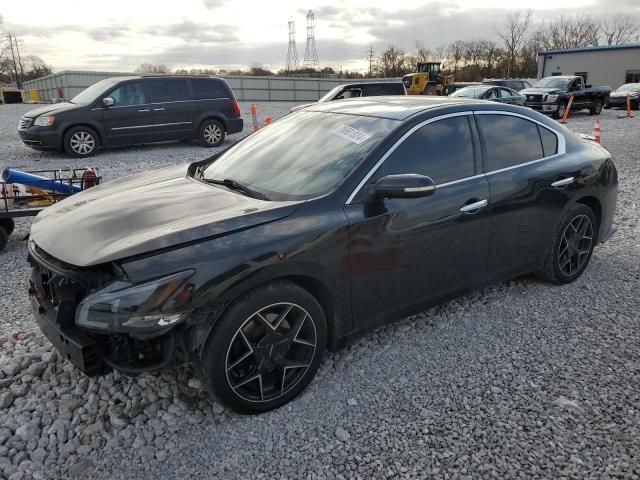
[473, 207]
[158, 109]
[562, 183]
[143, 110]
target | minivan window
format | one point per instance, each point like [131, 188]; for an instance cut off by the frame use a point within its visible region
[509, 141]
[208, 88]
[442, 150]
[130, 93]
[302, 155]
[389, 89]
[168, 89]
[95, 91]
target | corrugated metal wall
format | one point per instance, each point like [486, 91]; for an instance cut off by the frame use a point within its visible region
[68, 84]
[603, 67]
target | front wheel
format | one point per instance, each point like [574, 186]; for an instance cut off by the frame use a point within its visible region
[266, 348]
[80, 141]
[8, 225]
[4, 239]
[572, 247]
[596, 109]
[211, 133]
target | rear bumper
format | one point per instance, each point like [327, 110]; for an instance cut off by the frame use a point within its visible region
[41, 138]
[235, 125]
[622, 101]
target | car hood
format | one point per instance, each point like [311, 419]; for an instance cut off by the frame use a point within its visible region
[53, 109]
[538, 90]
[156, 210]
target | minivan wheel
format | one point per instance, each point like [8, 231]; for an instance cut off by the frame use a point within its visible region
[80, 141]
[573, 244]
[211, 133]
[8, 225]
[266, 348]
[4, 239]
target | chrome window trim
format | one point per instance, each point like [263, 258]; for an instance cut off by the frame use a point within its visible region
[561, 149]
[396, 145]
[158, 103]
[152, 125]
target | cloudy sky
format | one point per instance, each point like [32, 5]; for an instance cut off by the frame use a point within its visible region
[118, 35]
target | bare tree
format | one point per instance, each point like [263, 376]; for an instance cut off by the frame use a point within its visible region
[423, 54]
[516, 27]
[456, 53]
[489, 54]
[575, 31]
[618, 29]
[152, 68]
[392, 62]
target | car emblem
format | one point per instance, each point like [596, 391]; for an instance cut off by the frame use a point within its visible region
[530, 97]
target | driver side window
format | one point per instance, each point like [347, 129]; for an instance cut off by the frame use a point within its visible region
[131, 93]
[442, 150]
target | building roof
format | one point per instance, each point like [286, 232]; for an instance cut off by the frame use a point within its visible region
[395, 107]
[596, 48]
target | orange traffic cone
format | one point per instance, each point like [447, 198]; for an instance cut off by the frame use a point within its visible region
[596, 130]
[629, 115]
[267, 121]
[254, 117]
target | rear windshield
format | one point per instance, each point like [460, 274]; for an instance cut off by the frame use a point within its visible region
[629, 87]
[470, 92]
[302, 155]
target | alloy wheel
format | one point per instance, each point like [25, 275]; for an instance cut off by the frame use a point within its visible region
[561, 109]
[271, 352]
[575, 245]
[82, 142]
[212, 133]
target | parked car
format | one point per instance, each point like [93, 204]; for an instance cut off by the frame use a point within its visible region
[356, 90]
[618, 97]
[516, 84]
[305, 235]
[488, 92]
[452, 87]
[551, 95]
[131, 110]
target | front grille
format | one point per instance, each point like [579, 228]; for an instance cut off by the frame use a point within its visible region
[534, 99]
[24, 123]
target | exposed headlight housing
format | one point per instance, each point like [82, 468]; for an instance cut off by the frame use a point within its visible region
[551, 98]
[144, 309]
[44, 121]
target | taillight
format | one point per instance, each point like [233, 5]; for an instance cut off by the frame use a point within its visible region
[236, 108]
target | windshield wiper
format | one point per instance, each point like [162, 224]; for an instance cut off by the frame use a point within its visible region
[234, 185]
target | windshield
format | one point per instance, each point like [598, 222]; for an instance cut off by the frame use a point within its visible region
[301, 156]
[330, 94]
[92, 93]
[470, 92]
[552, 82]
[629, 87]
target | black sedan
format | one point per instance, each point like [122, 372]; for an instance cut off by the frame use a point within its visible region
[493, 93]
[618, 97]
[305, 235]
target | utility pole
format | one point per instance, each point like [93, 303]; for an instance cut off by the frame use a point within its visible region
[19, 59]
[15, 64]
[371, 57]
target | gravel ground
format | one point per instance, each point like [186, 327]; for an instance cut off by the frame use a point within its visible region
[520, 380]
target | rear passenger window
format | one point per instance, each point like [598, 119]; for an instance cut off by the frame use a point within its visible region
[509, 140]
[549, 141]
[168, 89]
[376, 90]
[443, 150]
[207, 88]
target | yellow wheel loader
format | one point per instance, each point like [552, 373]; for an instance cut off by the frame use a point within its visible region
[428, 80]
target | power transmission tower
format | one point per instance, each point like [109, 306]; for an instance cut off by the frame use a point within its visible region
[371, 56]
[310, 53]
[15, 64]
[292, 53]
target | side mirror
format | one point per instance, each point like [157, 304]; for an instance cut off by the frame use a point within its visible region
[108, 102]
[588, 85]
[409, 185]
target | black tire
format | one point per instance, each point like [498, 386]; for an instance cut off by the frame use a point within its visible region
[211, 133]
[555, 268]
[252, 367]
[560, 110]
[597, 108]
[81, 141]
[8, 225]
[4, 239]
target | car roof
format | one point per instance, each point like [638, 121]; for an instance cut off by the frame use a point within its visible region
[398, 107]
[159, 75]
[368, 83]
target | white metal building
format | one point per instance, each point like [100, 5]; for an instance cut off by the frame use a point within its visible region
[611, 65]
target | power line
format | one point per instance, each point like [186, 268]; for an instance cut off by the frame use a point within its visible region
[371, 56]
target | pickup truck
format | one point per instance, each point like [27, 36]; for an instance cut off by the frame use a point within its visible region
[551, 95]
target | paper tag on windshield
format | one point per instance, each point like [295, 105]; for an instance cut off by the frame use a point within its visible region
[351, 134]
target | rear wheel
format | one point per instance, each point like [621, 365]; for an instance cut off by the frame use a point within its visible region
[4, 239]
[572, 247]
[8, 225]
[266, 348]
[80, 141]
[211, 133]
[597, 108]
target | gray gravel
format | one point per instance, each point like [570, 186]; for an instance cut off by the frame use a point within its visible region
[520, 380]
